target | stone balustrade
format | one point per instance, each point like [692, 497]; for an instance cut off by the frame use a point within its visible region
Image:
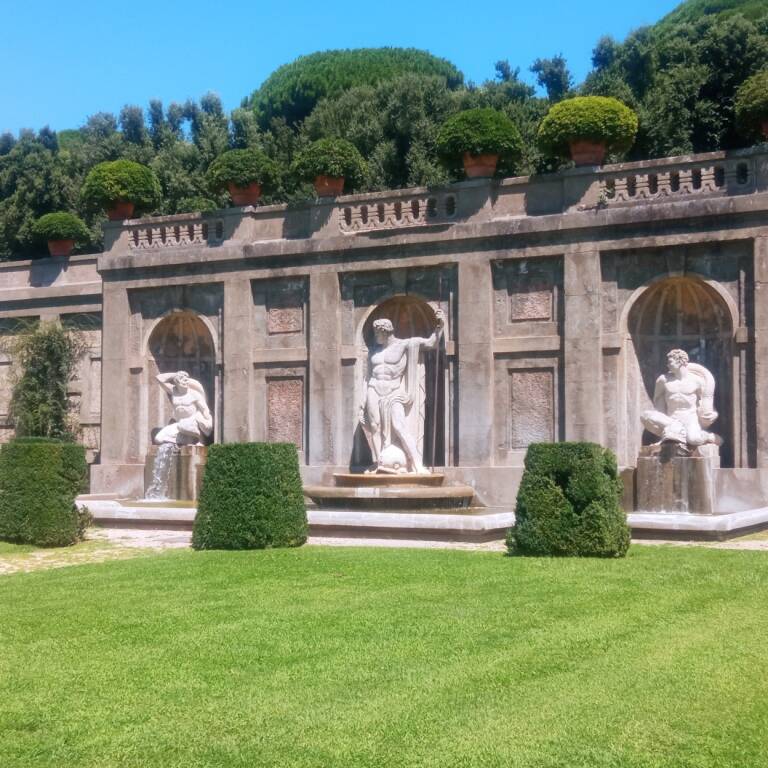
[717, 174]
[398, 211]
[174, 232]
[672, 178]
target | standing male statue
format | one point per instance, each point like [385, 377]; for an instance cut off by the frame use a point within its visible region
[392, 390]
[683, 404]
[192, 420]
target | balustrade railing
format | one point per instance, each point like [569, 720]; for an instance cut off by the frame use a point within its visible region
[400, 212]
[669, 181]
[174, 233]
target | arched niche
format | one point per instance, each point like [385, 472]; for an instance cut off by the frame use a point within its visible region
[411, 316]
[181, 341]
[681, 313]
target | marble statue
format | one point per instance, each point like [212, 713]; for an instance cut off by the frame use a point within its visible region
[192, 420]
[393, 397]
[683, 402]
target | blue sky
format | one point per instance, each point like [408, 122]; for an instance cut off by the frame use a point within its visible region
[64, 61]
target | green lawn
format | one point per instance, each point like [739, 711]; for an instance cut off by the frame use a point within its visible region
[388, 658]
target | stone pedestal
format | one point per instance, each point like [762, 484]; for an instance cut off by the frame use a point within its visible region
[668, 480]
[186, 474]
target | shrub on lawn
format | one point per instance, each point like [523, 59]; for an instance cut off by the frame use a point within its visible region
[39, 480]
[251, 498]
[568, 503]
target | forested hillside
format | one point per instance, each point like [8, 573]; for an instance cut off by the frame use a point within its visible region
[679, 75]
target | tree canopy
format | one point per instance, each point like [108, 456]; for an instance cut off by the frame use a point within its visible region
[681, 77]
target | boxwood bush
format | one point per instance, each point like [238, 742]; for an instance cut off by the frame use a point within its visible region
[600, 119]
[481, 131]
[242, 167]
[569, 503]
[331, 157]
[752, 105]
[61, 226]
[251, 498]
[39, 480]
[121, 180]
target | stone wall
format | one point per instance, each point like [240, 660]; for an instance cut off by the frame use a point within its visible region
[559, 293]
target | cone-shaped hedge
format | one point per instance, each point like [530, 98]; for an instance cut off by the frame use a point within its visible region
[39, 480]
[569, 503]
[251, 498]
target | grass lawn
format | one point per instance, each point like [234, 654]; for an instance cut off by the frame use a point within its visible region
[360, 657]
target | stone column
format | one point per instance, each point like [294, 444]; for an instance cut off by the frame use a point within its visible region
[761, 348]
[474, 354]
[325, 395]
[582, 347]
[237, 362]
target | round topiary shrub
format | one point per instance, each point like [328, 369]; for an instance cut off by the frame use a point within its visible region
[251, 498]
[121, 187]
[752, 106]
[331, 159]
[196, 204]
[569, 503]
[61, 231]
[479, 133]
[576, 128]
[61, 226]
[39, 480]
[246, 173]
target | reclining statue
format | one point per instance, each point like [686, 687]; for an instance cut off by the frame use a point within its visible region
[391, 393]
[683, 402]
[192, 420]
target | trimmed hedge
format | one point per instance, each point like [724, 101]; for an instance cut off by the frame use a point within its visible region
[118, 180]
[587, 118]
[61, 226]
[569, 503]
[39, 480]
[479, 132]
[251, 498]
[331, 157]
[242, 167]
[752, 105]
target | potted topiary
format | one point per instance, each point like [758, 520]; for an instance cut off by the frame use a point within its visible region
[330, 164]
[61, 231]
[586, 128]
[245, 173]
[121, 187]
[479, 137]
[752, 106]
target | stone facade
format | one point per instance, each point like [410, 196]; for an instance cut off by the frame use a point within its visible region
[561, 295]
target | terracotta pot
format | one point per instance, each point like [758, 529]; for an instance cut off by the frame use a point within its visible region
[764, 126]
[480, 166]
[60, 247]
[245, 195]
[119, 210]
[329, 186]
[585, 152]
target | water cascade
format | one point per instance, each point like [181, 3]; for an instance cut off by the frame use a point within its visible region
[161, 473]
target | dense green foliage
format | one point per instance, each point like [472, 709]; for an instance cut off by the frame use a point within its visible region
[196, 204]
[45, 358]
[293, 90]
[61, 226]
[568, 503]
[387, 658]
[242, 167]
[589, 118]
[333, 157]
[251, 498]
[680, 77]
[39, 480]
[479, 131]
[121, 180]
[752, 105]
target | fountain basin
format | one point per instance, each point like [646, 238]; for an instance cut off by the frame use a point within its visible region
[185, 475]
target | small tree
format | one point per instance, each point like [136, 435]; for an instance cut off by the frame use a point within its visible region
[46, 358]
